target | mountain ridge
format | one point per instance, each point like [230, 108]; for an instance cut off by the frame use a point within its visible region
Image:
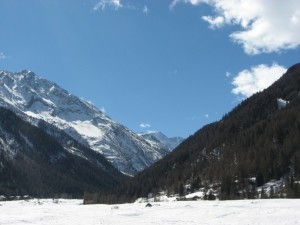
[160, 139]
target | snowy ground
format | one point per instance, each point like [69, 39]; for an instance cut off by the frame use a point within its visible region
[44, 212]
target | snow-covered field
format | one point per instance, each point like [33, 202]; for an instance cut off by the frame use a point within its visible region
[43, 212]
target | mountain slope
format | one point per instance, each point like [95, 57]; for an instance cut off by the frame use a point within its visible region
[161, 141]
[33, 162]
[37, 99]
[256, 142]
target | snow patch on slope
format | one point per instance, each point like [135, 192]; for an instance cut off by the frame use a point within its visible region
[281, 103]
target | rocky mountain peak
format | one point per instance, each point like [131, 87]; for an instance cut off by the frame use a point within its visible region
[43, 100]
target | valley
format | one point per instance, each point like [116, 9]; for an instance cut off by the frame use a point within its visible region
[72, 212]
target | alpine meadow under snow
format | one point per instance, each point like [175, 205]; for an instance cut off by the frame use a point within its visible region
[72, 212]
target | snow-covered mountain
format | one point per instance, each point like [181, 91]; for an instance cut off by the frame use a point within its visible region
[38, 99]
[160, 140]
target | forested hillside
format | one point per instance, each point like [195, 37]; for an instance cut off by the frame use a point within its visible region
[35, 163]
[254, 143]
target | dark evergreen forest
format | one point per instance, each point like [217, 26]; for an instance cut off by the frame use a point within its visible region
[257, 139]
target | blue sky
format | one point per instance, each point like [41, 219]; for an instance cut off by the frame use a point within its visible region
[163, 65]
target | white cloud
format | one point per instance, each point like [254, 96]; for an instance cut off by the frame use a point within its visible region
[2, 56]
[145, 125]
[227, 74]
[206, 115]
[215, 22]
[174, 3]
[266, 25]
[193, 2]
[103, 4]
[248, 82]
[146, 9]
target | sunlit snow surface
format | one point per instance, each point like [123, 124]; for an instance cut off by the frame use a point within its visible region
[276, 211]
